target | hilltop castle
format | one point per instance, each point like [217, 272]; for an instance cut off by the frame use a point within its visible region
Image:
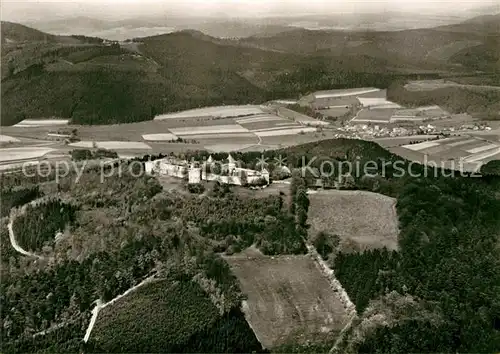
[195, 172]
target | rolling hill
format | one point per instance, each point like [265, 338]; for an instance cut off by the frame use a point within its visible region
[92, 82]
[424, 48]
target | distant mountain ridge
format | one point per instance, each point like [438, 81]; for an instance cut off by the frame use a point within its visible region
[93, 82]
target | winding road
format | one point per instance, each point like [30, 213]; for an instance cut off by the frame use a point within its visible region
[13, 241]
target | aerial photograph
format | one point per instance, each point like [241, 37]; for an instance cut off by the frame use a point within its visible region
[250, 176]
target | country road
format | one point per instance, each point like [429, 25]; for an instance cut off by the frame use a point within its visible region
[14, 243]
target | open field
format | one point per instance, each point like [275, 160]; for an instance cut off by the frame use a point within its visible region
[461, 152]
[111, 145]
[335, 111]
[363, 220]
[8, 139]
[23, 153]
[377, 102]
[160, 137]
[345, 93]
[289, 299]
[429, 85]
[29, 123]
[289, 131]
[216, 129]
[221, 111]
[381, 115]
[299, 117]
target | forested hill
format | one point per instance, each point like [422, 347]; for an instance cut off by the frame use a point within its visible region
[92, 82]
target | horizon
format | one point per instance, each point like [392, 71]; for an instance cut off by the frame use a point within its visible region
[49, 10]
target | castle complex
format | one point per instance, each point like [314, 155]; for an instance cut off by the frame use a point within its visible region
[195, 172]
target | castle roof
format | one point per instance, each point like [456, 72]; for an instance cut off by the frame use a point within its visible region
[210, 159]
[231, 159]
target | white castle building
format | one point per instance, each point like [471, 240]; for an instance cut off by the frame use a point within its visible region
[195, 172]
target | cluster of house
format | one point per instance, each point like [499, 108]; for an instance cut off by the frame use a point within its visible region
[209, 170]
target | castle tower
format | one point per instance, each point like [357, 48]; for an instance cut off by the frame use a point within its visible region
[231, 163]
[194, 174]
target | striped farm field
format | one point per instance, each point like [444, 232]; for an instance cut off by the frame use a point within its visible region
[30, 123]
[482, 148]
[216, 129]
[219, 136]
[8, 139]
[111, 145]
[160, 137]
[220, 111]
[23, 153]
[290, 131]
[421, 146]
[257, 118]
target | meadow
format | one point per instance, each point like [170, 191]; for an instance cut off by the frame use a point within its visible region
[362, 220]
[289, 299]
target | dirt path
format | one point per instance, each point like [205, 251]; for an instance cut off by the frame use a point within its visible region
[338, 288]
[12, 237]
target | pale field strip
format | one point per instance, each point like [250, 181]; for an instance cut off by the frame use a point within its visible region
[258, 119]
[23, 153]
[368, 120]
[227, 147]
[8, 139]
[483, 155]
[220, 111]
[214, 129]
[435, 149]
[482, 148]
[281, 124]
[286, 101]
[448, 140]
[377, 103]
[463, 142]
[286, 132]
[313, 122]
[13, 166]
[159, 137]
[345, 94]
[421, 146]
[288, 126]
[28, 123]
[111, 145]
[222, 136]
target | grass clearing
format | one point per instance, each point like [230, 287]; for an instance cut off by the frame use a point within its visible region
[219, 111]
[289, 300]
[363, 220]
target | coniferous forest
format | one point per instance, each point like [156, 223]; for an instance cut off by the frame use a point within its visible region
[440, 292]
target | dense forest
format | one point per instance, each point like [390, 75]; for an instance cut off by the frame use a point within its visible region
[38, 225]
[123, 230]
[440, 292]
[481, 103]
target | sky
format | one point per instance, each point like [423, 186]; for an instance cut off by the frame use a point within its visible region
[29, 10]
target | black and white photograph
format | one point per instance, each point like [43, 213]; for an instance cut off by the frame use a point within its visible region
[250, 176]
